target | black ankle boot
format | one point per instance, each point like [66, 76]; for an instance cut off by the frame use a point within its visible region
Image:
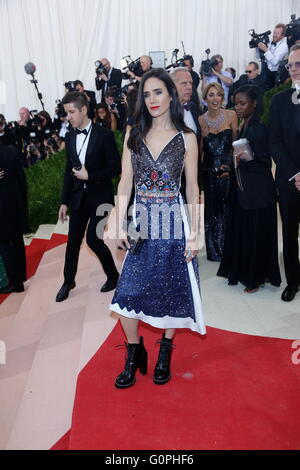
[136, 359]
[162, 373]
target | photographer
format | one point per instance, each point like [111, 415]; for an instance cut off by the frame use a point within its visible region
[6, 137]
[91, 97]
[218, 75]
[189, 64]
[109, 78]
[105, 117]
[146, 65]
[116, 105]
[274, 54]
[251, 76]
[53, 145]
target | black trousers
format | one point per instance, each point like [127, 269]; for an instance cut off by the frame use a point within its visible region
[84, 220]
[290, 215]
[14, 258]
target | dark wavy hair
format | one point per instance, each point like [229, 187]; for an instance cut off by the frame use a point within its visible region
[142, 116]
[254, 94]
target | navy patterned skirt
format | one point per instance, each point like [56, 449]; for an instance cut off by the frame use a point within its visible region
[156, 285]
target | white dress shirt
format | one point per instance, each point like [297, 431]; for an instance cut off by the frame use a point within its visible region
[275, 54]
[82, 142]
[189, 121]
[214, 79]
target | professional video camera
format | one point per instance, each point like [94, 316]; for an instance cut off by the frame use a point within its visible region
[293, 31]
[257, 38]
[176, 62]
[207, 65]
[134, 66]
[70, 86]
[36, 119]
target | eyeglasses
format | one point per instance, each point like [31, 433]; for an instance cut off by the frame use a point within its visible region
[290, 66]
[249, 71]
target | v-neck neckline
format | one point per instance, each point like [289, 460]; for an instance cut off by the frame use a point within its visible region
[155, 159]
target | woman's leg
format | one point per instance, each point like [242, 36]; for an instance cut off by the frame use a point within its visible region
[130, 327]
[169, 333]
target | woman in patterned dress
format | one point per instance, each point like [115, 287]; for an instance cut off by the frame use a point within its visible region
[159, 283]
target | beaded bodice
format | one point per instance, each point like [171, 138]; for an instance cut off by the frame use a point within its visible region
[159, 178]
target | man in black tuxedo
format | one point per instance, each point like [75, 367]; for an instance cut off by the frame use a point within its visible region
[92, 161]
[285, 144]
[13, 216]
[184, 85]
[91, 96]
[110, 78]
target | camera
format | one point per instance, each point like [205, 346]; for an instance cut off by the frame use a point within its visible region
[207, 65]
[100, 69]
[293, 31]
[257, 38]
[133, 66]
[36, 120]
[70, 86]
[60, 110]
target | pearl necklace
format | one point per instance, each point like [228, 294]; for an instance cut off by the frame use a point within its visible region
[215, 124]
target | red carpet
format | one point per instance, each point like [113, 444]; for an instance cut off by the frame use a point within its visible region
[34, 254]
[229, 391]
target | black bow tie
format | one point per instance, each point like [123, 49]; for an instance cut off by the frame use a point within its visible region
[78, 131]
[188, 106]
[273, 43]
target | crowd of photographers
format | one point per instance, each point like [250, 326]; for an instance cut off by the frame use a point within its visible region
[38, 136]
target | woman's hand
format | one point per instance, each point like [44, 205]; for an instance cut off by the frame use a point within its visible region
[191, 249]
[226, 173]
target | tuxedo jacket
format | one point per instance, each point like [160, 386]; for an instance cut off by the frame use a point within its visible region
[92, 103]
[256, 177]
[284, 130]
[115, 80]
[102, 162]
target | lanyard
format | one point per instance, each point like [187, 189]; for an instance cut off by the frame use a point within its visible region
[85, 140]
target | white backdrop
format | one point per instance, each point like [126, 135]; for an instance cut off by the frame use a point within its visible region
[63, 38]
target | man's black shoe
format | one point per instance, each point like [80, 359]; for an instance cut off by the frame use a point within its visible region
[289, 294]
[63, 292]
[110, 284]
[12, 288]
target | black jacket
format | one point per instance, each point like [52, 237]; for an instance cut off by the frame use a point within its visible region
[284, 130]
[256, 176]
[102, 163]
[13, 195]
[114, 81]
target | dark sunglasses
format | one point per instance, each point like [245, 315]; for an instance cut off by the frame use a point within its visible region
[249, 71]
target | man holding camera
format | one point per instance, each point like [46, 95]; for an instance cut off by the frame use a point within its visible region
[218, 75]
[274, 54]
[92, 161]
[91, 97]
[110, 77]
[146, 65]
[284, 131]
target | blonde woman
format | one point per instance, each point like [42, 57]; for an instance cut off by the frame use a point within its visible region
[219, 129]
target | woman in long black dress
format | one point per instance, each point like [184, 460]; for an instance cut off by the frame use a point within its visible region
[251, 250]
[219, 128]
